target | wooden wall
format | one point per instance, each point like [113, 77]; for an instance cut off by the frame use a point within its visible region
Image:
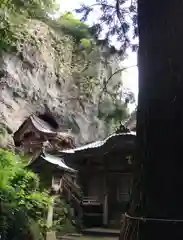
[96, 186]
[124, 186]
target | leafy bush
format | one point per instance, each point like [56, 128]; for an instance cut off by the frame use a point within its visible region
[33, 8]
[23, 206]
[62, 219]
[14, 13]
[74, 27]
[6, 33]
[112, 112]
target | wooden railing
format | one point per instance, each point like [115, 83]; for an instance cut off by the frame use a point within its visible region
[90, 201]
[84, 207]
[74, 191]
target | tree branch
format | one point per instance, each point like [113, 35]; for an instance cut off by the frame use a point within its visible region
[104, 89]
[119, 70]
[101, 4]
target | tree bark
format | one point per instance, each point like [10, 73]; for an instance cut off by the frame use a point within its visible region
[160, 118]
[159, 190]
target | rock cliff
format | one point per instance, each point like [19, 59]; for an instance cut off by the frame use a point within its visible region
[49, 72]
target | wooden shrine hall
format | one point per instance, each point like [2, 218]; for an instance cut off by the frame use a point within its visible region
[37, 133]
[105, 174]
[51, 170]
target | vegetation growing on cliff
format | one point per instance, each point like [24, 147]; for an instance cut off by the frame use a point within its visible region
[14, 32]
[23, 206]
[112, 112]
[15, 13]
[13, 16]
[74, 27]
[30, 8]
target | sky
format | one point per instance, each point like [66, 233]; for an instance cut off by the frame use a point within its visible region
[130, 76]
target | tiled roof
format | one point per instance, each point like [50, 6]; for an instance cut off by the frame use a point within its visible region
[41, 125]
[57, 161]
[98, 144]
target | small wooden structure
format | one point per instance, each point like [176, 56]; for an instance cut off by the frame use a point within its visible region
[104, 176]
[51, 170]
[38, 137]
[35, 134]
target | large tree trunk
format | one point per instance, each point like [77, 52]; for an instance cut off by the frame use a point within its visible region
[160, 120]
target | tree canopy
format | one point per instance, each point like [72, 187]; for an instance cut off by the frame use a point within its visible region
[117, 18]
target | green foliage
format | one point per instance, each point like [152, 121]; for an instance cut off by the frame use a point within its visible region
[23, 205]
[112, 112]
[85, 43]
[31, 8]
[13, 33]
[7, 166]
[62, 223]
[87, 86]
[17, 13]
[13, 16]
[74, 27]
[6, 32]
[12, 30]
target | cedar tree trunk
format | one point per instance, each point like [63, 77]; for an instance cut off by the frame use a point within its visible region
[159, 121]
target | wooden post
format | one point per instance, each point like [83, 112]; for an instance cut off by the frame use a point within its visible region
[105, 202]
[61, 185]
[79, 216]
[50, 235]
[105, 210]
[50, 215]
[69, 194]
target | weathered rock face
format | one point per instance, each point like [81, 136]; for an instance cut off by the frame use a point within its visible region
[42, 79]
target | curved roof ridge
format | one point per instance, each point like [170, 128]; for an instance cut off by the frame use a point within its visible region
[98, 143]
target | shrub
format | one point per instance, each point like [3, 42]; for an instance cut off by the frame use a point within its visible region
[74, 27]
[112, 111]
[23, 206]
[32, 8]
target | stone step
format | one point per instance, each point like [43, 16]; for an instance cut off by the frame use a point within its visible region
[86, 237]
[103, 232]
[73, 236]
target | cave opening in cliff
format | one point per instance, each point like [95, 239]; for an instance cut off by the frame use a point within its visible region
[49, 119]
